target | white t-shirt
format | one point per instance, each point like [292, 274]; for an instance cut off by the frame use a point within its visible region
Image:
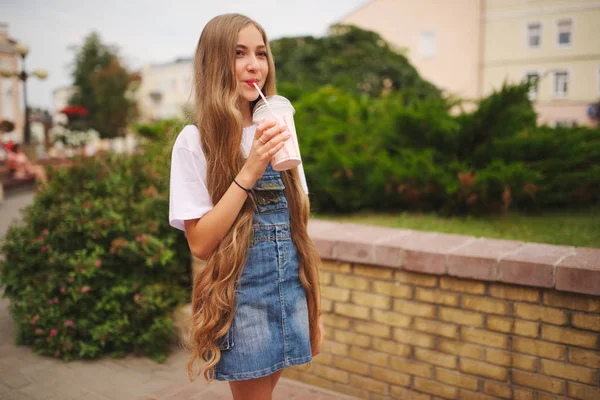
[189, 198]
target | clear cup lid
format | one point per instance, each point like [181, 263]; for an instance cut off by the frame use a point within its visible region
[276, 102]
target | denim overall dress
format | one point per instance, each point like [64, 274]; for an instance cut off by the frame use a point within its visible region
[270, 326]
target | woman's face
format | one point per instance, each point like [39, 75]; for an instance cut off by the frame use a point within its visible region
[251, 65]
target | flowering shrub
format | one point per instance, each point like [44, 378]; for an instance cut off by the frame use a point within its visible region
[75, 111]
[94, 268]
[72, 138]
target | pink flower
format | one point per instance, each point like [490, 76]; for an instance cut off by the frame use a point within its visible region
[136, 297]
[50, 302]
[97, 263]
[63, 289]
[43, 248]
[40, 239]
[53, 332]
[69, 346]
[138, 239]
[85, 289]
[35, 318]
[71, 279]
[39, 331]
[55, 300]
[57, 353]
[69, 323]
[45, 231]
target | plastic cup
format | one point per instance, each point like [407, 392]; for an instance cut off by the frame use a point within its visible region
[281, 109]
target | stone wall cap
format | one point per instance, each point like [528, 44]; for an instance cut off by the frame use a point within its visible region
[566, 268]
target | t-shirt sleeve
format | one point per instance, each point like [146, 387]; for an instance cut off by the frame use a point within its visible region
[188, 194]
[302, 178]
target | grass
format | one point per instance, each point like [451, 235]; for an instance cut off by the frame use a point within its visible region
[576, 228]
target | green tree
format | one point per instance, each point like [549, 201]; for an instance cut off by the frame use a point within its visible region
[102, 83]
[349, 58]
[502, 114]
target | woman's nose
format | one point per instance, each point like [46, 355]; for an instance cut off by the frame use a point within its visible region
[252, 64]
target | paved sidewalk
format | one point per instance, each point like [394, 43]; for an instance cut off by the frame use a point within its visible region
[9, 209]
[25, 375]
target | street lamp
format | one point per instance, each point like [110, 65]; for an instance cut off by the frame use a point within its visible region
[23, 50]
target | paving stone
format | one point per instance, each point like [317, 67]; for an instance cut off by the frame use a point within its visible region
[16, 395]
[38, 392]
[15, 380]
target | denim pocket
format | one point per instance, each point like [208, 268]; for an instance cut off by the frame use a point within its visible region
[226, 342]
[269, 194]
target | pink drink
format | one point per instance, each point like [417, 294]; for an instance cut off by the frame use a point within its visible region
[281, 109]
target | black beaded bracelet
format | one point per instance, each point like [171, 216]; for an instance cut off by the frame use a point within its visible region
[243, 188]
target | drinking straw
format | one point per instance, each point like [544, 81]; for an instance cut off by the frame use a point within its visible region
[263, 96]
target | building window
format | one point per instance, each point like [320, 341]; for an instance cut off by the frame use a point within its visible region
[427, 44]
[565, 123]
[561, 83]
[565, 28]
[533, 79]
[534, 35]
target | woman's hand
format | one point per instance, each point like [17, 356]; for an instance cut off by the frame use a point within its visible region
[268, 140]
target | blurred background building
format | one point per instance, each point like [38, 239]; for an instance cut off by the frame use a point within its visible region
[442, 39]
[10, 99]
[470, 47]
[60, 98]
[165, 90]
[555, 41]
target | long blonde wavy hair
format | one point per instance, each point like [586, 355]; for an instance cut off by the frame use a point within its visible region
[220, 124]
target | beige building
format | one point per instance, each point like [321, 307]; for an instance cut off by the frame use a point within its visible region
[165, 89]
[555, 41]
[60, 99]
[10, 94]
[471, 47]
[441, 38]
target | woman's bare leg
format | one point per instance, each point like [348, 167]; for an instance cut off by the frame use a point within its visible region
[252, 389]
[39, 172]
[274, 378]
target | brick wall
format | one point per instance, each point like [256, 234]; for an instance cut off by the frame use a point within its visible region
[409, 325]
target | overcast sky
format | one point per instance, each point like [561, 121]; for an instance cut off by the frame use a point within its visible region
[145, 30]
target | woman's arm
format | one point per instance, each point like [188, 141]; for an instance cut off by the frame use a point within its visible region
[204, 234]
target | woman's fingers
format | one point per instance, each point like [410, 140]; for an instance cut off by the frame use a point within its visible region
[264, 125]
[272, 132]
[272, 147]
[275, 149]
[277, 139]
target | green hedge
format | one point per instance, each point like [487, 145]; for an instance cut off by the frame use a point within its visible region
[397, 153]
[94, 268]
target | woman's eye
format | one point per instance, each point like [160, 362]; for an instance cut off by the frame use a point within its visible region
[239, 53]
[262, 54]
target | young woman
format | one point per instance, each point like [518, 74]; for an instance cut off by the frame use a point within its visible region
[256, 301]
[21, 167]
